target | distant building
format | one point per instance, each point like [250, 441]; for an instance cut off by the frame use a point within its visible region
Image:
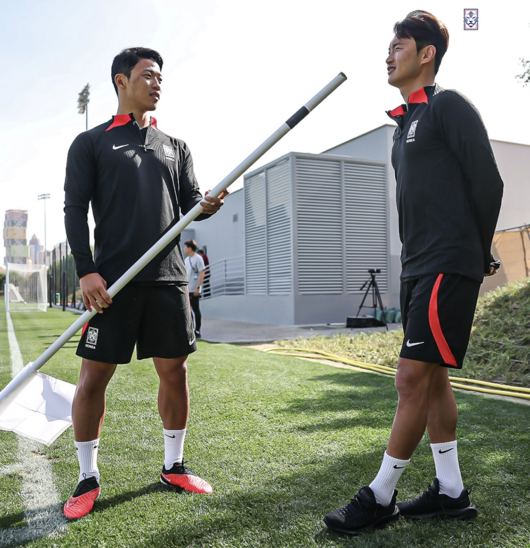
[15, 242]
[295, 244]
[34, 248]
[44, 257]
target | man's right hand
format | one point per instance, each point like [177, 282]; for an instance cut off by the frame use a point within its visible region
[94, 289]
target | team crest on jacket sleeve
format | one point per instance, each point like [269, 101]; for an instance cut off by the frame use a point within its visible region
[169, 152]
[412, 132]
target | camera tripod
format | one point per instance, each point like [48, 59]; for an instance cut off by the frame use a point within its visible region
[376, 295]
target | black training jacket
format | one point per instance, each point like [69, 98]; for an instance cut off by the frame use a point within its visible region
[449, 189]
[138, 182]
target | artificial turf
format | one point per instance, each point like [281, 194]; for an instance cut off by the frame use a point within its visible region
[283, 441]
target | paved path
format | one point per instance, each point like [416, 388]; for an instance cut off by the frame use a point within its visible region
[234, 332]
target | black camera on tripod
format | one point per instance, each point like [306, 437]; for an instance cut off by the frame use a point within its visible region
[377, 302]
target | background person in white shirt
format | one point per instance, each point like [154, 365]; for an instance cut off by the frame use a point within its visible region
[195, 269]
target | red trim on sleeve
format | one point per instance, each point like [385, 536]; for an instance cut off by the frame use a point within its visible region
[119, 120]
[436, 328]
[418, 96]
[399, 111]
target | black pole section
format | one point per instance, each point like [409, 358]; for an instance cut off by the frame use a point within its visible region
[49, 280]
[54, 272]
[61, 276]
[66, 273]
[74, 291]
[64, 290]
[61, 270]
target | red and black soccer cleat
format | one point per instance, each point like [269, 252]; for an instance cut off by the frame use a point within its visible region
[82, 501]
[180, 476]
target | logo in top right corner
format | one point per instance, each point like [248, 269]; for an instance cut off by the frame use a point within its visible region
[470, 19]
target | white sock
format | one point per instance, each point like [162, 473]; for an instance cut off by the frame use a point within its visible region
[87, 455]
[447, 468]
[386, 480]
[174, 446]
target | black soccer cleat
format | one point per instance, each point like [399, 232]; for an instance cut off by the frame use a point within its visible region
[362, 513]
[431, 504]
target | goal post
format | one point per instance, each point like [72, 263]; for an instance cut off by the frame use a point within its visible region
[26, 288]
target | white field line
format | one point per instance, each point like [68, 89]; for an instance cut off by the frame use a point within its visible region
[41, 501]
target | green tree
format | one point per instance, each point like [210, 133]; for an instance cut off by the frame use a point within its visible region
[524, 78]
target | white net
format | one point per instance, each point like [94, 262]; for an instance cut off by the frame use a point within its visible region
[26, 287]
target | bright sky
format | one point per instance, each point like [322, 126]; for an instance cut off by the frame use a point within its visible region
[234, 71]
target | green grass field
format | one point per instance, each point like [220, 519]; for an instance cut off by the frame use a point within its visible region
[499, 347]
[282, 440]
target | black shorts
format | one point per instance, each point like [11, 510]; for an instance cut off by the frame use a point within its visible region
[437, 312]
[155, 318]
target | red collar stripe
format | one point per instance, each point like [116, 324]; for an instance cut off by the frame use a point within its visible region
[119, 120]
[419, 96]
[399, 111]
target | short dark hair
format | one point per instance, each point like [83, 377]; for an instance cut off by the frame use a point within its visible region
[192, 244]
[128, 58]
[426, 30]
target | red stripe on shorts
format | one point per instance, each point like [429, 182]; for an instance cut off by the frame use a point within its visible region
[436, 328]
[84, 329]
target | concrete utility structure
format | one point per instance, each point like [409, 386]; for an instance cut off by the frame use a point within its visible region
[295, 244]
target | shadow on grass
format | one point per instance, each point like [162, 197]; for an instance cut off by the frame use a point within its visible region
[367, 400]
[12, 520]
[288, 511]
[280, 500]
[15, 521]
[128, 496]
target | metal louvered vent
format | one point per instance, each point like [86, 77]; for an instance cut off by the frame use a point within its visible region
[256, 235]
[341, 225]
[340, 231]
[268, 230]
[279, 233]
[319, 227]
[365, 222]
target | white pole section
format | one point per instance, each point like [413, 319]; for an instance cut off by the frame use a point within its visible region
[17, 384]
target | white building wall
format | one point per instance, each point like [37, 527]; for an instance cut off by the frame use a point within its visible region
[226, 238]
[376, 146]
[369, 146]
[224, 233]
[513, 161]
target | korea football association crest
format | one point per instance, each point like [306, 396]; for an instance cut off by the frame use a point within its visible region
[471, 19]
[92, 337]
[169, 152]
[412, 132]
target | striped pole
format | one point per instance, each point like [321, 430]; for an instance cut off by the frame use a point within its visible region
[18, 383]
